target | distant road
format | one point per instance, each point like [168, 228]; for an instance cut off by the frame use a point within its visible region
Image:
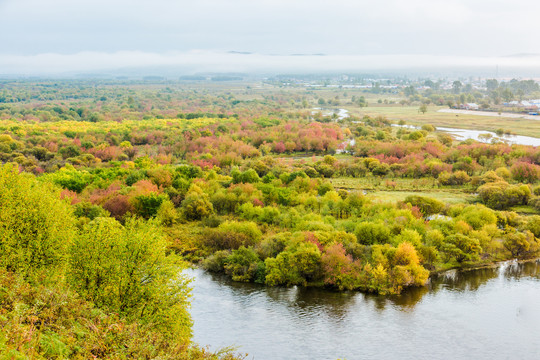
[490, 113]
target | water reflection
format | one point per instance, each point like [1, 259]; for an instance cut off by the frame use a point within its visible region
[464, 280]
[408, 299]
[335, 303]
[515, 270]
[485, 313]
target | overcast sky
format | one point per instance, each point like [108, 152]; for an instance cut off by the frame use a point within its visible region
[55, 35]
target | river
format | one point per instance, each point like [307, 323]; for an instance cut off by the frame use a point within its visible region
[478, 135]
[464, 134]
[459, 134]
[492, 313]
[340, 114]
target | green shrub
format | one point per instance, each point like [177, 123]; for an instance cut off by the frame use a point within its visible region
[324, 188]
[244, 265]
[89, 210]
[36, 227]
[147, 206]
[533, 225]
[295, 266]
[369, 233]
[477, 216]
[501, 195]
[167, 213]
[196, 205]
[248, 228]
[71, 179]
[456, 178]
[231, 235]
[426, 205]
[216, 261]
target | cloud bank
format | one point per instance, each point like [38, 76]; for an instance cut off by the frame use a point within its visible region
[64, 36]
[207, 61]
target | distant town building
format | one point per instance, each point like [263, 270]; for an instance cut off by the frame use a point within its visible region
[470, 106]
[526, 104]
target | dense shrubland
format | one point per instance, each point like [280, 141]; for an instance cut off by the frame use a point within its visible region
[247, 189]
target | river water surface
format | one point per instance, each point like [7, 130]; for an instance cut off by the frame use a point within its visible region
[464, 134]
[491, 313]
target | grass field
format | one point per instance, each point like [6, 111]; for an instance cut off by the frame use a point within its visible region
[525, 210]
[398, 189]
[376, 183]
[444, 196]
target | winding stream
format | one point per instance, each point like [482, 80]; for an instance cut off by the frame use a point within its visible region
[492, 313]
[459, 134]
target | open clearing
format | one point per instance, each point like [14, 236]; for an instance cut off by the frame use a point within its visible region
[398, 189]
[444, 196]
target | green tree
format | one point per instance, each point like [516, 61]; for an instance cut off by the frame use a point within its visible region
[462, 248]
[126, 269]
[522, 244]
[507, 95]
[456, 86]
[492, 84]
